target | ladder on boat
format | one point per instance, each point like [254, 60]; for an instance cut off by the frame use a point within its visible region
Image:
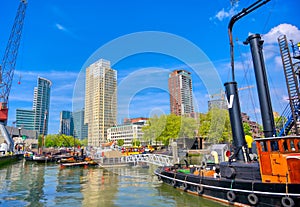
[292, 112]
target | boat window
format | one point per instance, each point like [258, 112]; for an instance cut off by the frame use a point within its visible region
[274, 146]
[285, 146]
[264, 146]
[292, 145]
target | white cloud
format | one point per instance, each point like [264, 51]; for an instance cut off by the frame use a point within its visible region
[60, 27]
[223, 14]
[291, 31]
[66, 30]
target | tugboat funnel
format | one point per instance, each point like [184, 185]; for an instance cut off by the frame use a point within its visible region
[256, 45]
[238, 134]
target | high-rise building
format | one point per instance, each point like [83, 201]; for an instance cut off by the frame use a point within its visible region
[40, 110]
[41, 104]
[181, 93]
[100, 101]
[66, 125]
[25, 119]
[80, 129]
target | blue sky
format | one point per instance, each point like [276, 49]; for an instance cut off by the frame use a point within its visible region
[59, 37]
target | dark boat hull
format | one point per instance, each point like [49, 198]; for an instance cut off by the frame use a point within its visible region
[7, 159]
[236, 192]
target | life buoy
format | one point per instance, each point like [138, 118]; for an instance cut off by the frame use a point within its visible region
[231, 196]
[253, 199]
[159, 178]
[287, 202]
[185, 186]
[174, 183]
[199, 189]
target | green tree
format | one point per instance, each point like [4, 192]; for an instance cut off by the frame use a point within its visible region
[84, 142]
[120, 142]
[167, 127]
[188, 127]
[247, 129]
[215, 126]
[136, 142]
[204, 125]
[61, 140]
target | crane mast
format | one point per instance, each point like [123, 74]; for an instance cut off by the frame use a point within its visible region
[7, 67]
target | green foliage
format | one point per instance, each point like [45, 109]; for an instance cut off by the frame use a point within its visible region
[247, 129]
[61, 140]
[168, 127]
[279, 122]
[215, 126]
[136, 142]
[84, 142]
[120, 142]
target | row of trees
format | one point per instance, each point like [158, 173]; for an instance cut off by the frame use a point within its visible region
[61, 140]
[168, 127]
[214, 126]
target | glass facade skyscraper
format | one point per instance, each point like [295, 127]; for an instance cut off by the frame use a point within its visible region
[25, 119]
[66, 125]
[80, 129]
[40, 110]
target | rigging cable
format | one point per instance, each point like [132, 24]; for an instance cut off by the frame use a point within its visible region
[246, 70]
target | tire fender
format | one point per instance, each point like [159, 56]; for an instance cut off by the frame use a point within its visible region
[185, 186]
[231, 196]
[199, 189]
[252, 199]
[174, 183]
[287, 202]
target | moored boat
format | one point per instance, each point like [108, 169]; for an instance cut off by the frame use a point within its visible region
[87, 162]
[273, 179]
[6, 159]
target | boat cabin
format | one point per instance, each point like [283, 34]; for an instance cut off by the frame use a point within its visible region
[279, 159]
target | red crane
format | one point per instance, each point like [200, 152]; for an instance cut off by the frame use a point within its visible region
[7, 67]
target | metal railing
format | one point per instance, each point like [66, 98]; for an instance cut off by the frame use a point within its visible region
[156, 159]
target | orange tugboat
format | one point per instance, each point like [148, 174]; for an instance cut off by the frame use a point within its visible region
[271, 180]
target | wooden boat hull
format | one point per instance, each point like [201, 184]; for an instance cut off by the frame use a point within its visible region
[79, 164]
[236, 192]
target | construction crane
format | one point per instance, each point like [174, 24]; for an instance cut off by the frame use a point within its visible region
[7, 68]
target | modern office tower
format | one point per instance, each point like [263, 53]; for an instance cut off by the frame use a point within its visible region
[66, 125]
[80, 129]
[100, 101]
[181, 94]
[41, 103]
[25, 119]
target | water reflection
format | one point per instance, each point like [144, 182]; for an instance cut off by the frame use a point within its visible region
[31, 184]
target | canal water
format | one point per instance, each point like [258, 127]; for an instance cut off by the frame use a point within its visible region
[31, 184]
